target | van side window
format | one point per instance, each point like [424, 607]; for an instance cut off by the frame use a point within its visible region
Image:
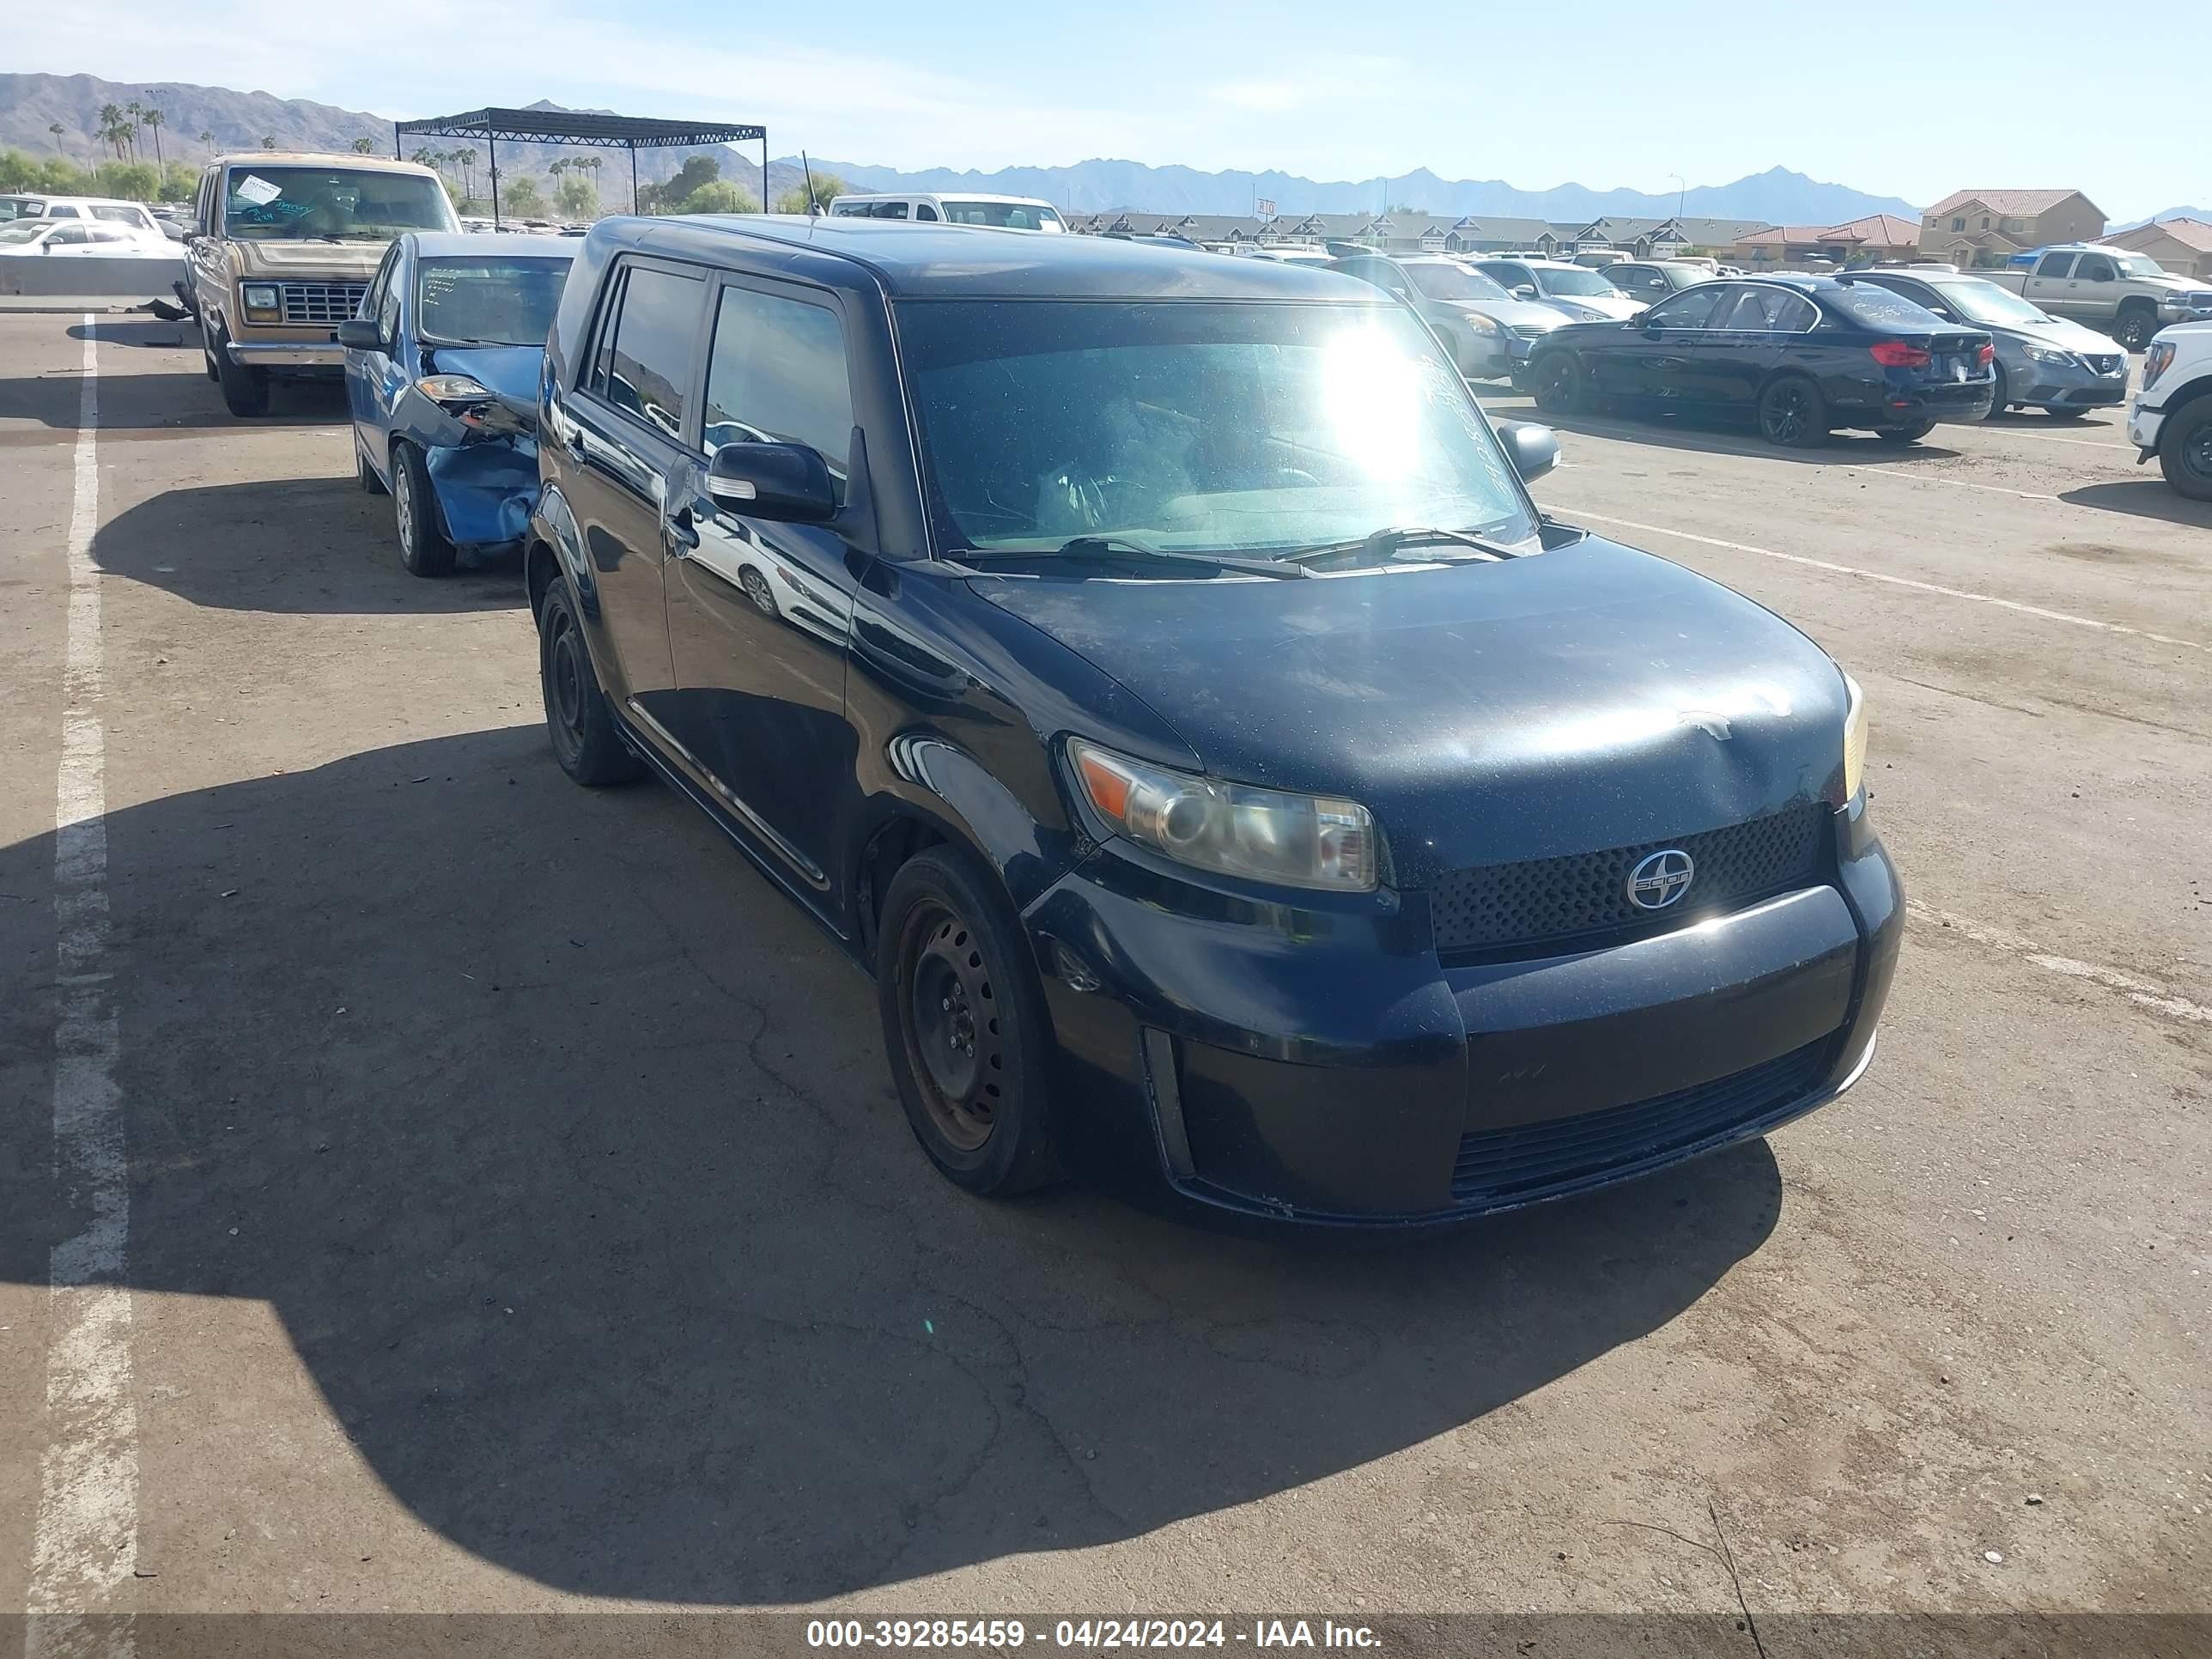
[2055, 264]
[923, 211]
[890, 210]
[646, 367]
[777, 375]
[62, 213]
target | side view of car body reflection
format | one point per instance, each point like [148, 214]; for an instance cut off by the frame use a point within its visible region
[1152, 668]
[442, 371]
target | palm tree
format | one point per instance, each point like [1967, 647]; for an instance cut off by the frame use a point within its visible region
[363, 146]
[135, 111]
[207, 139]
[268, 142]
[154, 119]
[57, 129]
[113, 125]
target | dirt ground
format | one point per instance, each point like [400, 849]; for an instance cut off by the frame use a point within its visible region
[520, 1220]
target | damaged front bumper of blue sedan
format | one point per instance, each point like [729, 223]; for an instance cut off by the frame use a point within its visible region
[486, 487]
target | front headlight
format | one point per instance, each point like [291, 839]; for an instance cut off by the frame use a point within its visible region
[453, 389]
[2154, 361]
[1479, 323]
[1855, 740]
[2044, 354]
[259, 300]
[1231, 829]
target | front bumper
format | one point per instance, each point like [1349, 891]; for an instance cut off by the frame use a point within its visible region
[1324, 1067]
[2143, 424]
[254, 354]
[2174, 311]
[2077, 385]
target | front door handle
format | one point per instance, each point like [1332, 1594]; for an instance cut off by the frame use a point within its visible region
[681, 530]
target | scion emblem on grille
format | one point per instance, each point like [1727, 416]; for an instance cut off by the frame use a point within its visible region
[1658, 880]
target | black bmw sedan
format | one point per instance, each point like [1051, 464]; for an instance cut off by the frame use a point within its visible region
[1800, 355]
[1152, 669]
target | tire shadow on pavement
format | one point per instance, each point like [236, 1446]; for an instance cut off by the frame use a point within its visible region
[564, 1150]
[288, 546]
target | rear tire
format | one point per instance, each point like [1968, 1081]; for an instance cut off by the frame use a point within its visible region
[964, 1025]
[1998, 394]
[1561, 387]
[244, 391]
[1793, 414]
[2184, 449]
[585, 740]
[424, 548]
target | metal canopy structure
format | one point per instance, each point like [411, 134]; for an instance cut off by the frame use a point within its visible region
[581, 127]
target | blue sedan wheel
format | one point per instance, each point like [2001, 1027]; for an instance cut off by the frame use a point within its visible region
[424, 548]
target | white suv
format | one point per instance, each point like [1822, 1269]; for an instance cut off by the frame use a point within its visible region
[2172, 415]
[999, 212]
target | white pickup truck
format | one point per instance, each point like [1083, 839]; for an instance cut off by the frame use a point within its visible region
[2172, 415]
[2129, 296]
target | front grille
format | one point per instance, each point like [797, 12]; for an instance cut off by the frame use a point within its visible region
[1532, 331]
[330, 303]
[1533, 1160]
[2105, 363]
[1505, 909]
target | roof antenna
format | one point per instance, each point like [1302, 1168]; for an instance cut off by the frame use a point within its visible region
[812, 206]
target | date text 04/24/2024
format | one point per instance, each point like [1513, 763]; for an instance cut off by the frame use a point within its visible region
[1086, 1635]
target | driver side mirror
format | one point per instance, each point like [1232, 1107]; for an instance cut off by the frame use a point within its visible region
[790, 483]
[1525, 291]
[1534, 450]
[360, 334]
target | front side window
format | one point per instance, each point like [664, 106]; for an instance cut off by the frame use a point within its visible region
[336, 204]
[846, 208]
[69, 236]
[1691, 309]
[1454, 282]
[1571, 281]
[481, 300]
[134, 217]
[648, 365]
[2093, 268]
[1196, 425]
[776, 375]
[1978, 301]
[888, 211]
[1510, 277]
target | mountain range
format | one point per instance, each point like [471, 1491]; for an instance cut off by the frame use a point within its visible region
[1776, 196]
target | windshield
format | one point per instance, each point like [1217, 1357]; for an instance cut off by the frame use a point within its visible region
[18, 235]
[1577, 280]
[1986, 302]
[2138, 264]
[1453, 283]
[290, 202]
[1007, 215]
[488, 302]
[1195, 426]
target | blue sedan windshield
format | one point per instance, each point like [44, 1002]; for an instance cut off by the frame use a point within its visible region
[486, 300]
[1196, 425]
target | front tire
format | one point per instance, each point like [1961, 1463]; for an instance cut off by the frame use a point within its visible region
[424, 548]
[1792, 413]
[585, 740]
[2135, 329]
[2184, 449]
[1562, 388]
[965, 1026]
[244, 391]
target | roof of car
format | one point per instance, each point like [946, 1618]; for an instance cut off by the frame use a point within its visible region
[970, 262]
[298, 158]
[453, 244]
[1802, 283]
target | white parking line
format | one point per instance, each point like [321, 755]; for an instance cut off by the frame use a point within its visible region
[2053, 438]
[2068, 617]
[1631, 434]
[85, 1543]
[2144, 993]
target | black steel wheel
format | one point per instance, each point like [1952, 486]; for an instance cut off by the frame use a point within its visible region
[2184, 449]
[2135, 329]
[1792, 414]
[1562, 388]
[585, 738]
[964, 1024]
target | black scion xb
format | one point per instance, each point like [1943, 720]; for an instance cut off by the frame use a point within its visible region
[1151, 666]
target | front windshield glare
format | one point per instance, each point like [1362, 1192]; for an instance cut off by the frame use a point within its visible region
[1195, 426]
[2137, 264]
[1986, 302]
[282, 203]
[1450, 282]
[489, 301]
[1575, 282]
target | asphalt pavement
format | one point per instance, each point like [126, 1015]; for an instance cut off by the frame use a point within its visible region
[470, 1193]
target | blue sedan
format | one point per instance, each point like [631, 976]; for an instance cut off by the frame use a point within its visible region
[441, 373]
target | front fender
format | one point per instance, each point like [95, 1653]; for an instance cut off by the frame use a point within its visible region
[954, 789]
[485, 490]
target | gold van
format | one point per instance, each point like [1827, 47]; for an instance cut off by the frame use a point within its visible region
[282, 249]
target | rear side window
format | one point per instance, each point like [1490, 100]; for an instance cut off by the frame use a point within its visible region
[645, 363]
[923, 211]
[63, 213]
[123, 215]
[2055, 264]
[777, 375]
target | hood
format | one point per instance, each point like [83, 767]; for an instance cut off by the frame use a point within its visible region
[307, 262]
[511, 372]
[1514, 314]
[1589, 697]
[1617, 306]
[2062, 332]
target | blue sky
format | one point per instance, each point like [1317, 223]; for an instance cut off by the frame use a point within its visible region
[1912, 100]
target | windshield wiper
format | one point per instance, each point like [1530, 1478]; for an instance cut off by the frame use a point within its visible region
[1392, 539]
[1128, 549]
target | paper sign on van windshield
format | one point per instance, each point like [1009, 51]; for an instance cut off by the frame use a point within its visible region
[256, 190]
